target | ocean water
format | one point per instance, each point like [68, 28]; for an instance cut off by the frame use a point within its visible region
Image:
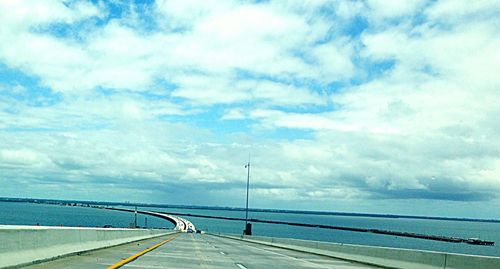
[463, 229]
[55, 215]
[13, 213]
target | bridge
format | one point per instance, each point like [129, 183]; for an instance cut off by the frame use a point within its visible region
[191, 250]
[181, 224]
[37, 247]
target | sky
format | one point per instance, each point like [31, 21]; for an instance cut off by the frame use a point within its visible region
[353, 106]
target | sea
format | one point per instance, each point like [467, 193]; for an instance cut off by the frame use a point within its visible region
[22, 213]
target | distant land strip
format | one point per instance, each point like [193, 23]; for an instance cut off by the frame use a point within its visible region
[347, 214]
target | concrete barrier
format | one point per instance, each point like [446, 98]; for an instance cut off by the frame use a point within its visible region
[379, 256]
[23, 245]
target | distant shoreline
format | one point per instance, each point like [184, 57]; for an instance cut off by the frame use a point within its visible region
[347, 214]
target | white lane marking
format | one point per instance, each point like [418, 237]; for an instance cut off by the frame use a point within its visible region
[264, 249]
[170, 255]
[144, 266]
[288, 256]
[222, 252]
[241, 266]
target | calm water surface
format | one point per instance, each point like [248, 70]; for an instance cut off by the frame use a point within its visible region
[54, 215]
[464, 229]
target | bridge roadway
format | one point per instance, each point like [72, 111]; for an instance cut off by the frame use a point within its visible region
[181, 224]
[190, 250]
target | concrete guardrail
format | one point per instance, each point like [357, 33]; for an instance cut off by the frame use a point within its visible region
[24, 245]
[379, 256]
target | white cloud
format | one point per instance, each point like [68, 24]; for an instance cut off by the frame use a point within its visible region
[28, 13]
[281, 94]
[334, 60]
[383, 10]
[180, 14]
[206, 89]
[55, 60]
[425, 126]
[456, 11]
[276, 118]
[257, 38]
[21, 157]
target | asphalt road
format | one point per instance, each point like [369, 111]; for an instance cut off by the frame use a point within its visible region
[199, 251]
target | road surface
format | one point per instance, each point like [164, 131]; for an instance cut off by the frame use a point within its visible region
[189, 250]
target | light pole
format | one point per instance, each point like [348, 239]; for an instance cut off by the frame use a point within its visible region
[248, 226]
[135, 217]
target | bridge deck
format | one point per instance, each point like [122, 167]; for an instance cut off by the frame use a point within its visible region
[198, 251]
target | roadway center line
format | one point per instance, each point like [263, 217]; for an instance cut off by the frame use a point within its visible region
[142, 266]
[139, 254]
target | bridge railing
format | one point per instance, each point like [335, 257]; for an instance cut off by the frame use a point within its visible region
[380, 256]
[24, 245]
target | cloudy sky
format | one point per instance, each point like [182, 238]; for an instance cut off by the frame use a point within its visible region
[361, 106]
